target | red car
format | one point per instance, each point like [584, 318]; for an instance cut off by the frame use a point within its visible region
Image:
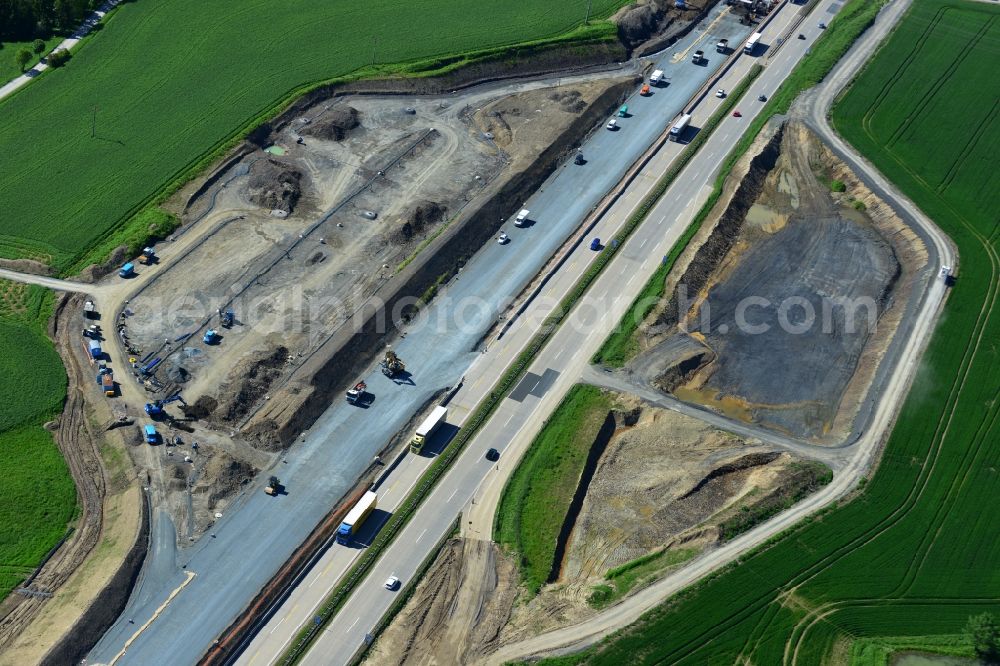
[737, 114]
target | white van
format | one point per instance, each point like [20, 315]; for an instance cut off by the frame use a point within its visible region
[521, 218]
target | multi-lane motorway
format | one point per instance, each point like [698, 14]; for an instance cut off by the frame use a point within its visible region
[223, 574]
[559, 365]
[196, 591]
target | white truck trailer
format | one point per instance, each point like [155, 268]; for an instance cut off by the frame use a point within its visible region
[427, 428]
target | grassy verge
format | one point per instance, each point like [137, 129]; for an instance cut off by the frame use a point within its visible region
[148, 225]
[537, 496]
[637, 573]
[9, 69]
[622, 344]
[423, 244]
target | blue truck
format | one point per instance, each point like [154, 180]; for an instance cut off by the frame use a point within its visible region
[94, 347]
[152, 437]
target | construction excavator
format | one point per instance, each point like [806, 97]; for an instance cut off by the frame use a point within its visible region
[391, 365]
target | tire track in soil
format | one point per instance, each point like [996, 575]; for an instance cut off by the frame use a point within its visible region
[78, 446]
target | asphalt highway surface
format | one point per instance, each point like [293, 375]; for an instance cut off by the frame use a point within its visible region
[196, 591]
[565, 359]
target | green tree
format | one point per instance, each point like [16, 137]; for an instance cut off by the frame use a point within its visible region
[58, 58]
[38, 46]
[982, 630]
[22, 58]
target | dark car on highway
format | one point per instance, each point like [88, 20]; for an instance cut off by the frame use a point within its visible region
[493, 454]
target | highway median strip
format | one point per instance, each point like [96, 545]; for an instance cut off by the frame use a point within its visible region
[852, 20]
[504, 385]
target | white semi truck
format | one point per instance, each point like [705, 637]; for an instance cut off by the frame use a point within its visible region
[356, 517]
[427, 428]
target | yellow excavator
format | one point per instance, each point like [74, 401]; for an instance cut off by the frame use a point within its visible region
[391, 365]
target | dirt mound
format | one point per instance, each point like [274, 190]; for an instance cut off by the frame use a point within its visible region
[570, 100]
[27, 266]
[274, 185]
[421, 216]
[249, 382]
[202, 408]
[641, 21]
[334, 125]
[457, 610]
[223, 476]
[177, 477]
[95, 272]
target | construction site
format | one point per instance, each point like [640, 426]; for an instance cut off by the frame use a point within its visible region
[665, 483]
[285, 244]
[793, 222]
[257, 313]
[780, 310]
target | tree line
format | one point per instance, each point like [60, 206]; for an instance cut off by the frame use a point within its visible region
[25, 20]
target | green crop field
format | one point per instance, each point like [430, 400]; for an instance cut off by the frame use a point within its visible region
[170, 82]
[912, 556]
[537, 496]
[38, 497]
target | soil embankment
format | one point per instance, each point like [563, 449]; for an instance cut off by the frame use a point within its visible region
[310, 389]
[656, 481]
[87, 579]
[784, 303]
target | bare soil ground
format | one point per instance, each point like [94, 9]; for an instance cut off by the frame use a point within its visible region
[665, 481]
[300, 236]
[457, 610]
[110, 507]
[787, 270]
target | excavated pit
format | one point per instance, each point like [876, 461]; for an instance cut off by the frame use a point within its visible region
[787, 298]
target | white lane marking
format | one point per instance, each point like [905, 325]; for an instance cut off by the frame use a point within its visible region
[559, 355]
[643, 243]
[630, 280]
[452, 495]
[509, 418]
[421, 536]
[352, 626]
[279, 624]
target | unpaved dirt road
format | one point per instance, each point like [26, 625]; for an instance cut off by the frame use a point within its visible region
[815, 108]
[51, 283]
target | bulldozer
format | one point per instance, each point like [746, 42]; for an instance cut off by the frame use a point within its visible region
[273, 487]
[391, 365]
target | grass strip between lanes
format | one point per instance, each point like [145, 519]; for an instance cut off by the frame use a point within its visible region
[537, 497]
[504, 385]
